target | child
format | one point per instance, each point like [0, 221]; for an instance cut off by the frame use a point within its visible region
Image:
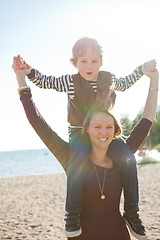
[83, 89]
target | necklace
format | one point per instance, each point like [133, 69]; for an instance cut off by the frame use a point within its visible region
[101, 187]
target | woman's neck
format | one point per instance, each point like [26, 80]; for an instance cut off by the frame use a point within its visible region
[101, 158]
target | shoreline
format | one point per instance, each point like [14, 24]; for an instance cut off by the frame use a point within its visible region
[32, 207]
[32, 175]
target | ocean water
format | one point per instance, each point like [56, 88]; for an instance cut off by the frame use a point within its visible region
[33, 162]
[28, 162]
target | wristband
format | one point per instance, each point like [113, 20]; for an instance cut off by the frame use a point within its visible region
[24, 89]
[154, 89]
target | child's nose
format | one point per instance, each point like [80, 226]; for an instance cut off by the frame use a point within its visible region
[89, 65]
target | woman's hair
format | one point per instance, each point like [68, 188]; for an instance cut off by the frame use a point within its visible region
[96, 109]
[81, 47]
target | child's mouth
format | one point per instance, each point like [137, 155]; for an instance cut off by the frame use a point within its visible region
[89, 73]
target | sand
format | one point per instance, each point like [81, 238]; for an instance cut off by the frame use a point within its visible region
[32, 207]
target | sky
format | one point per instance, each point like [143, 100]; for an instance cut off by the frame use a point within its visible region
[44, 32]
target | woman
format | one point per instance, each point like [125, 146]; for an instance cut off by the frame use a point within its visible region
[100, 218]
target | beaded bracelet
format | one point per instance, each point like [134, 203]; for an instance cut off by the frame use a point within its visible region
[24, 89]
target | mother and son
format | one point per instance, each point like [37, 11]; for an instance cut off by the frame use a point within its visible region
[98, 162]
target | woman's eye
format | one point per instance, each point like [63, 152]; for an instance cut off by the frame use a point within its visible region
[97, 126]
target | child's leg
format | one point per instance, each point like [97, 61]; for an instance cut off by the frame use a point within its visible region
[128, 168]
[75, 178]
[76, 172]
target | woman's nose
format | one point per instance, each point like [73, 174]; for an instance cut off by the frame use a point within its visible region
[104, 131]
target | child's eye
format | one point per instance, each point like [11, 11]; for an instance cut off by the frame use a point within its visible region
[83, 61]
[94, 61]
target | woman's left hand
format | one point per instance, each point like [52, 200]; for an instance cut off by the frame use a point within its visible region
[149, 66]
[150, 71]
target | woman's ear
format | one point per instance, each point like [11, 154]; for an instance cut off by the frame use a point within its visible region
[87, 130]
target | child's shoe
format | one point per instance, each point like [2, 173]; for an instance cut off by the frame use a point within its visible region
[72, 226]
[135, 225]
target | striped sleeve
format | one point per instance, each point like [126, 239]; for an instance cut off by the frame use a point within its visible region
[60, 84]
[122, 84]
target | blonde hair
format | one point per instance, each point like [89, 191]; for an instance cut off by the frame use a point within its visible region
[81, 46]
[96, 109]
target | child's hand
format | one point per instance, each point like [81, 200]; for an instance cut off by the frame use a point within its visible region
[20, 64]
[149, 66]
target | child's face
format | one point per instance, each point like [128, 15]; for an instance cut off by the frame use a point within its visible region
[89, 64]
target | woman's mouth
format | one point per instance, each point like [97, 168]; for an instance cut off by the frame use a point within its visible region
[103, 139]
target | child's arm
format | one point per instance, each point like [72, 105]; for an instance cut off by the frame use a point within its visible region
[122, 84]
[61, 84]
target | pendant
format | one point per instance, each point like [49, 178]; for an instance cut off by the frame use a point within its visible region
[103, 197]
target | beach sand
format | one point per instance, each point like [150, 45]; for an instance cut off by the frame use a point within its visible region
[32, 207]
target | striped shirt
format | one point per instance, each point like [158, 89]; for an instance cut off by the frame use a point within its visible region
[65, 82]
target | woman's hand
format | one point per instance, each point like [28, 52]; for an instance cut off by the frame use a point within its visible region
[20, 72]
[149, 66]
[149, 69]
[20, 64]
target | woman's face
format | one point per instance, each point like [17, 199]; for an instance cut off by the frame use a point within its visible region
[101, 130]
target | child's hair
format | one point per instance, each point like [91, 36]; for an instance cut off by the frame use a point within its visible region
[81, 46]
[96, 109]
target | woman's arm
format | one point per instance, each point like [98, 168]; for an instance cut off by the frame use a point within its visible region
[149, 111]
[141, 130]
[54, 143]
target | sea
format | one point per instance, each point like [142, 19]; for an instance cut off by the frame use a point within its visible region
[28, 162]
[37, 161]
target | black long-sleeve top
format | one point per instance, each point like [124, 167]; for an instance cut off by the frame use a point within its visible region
[60, 148]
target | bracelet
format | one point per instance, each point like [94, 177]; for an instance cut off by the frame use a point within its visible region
[154, 89]
[24, 89]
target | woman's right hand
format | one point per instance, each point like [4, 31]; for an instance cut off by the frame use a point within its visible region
[20, 64]
[20, 72]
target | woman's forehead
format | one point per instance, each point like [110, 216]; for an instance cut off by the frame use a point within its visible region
[101, 117]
